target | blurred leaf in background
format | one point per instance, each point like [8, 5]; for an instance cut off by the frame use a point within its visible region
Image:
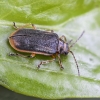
[65, 17]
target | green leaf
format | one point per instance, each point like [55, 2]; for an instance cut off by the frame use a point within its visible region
[65, 17]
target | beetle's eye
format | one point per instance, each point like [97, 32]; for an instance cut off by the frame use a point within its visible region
[65, 53]
[61, 50]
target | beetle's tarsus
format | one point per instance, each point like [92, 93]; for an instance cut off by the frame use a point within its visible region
[14, 54]
[61, 67]
[17, 54]
[14, 25]
[11, 54]
[38, 66]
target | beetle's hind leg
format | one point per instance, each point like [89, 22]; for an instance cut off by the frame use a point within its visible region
[17, 54]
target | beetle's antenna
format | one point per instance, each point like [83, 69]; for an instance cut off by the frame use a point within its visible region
[75, 62]
[77, 39]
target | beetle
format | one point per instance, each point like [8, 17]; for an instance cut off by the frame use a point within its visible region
[35, 41]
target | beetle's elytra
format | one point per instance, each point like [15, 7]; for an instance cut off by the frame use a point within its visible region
[40, 42]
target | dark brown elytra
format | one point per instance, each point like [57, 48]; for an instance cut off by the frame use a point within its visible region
[40, 42]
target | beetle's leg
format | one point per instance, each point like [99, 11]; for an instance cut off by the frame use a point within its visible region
[60, 63]
[17, 54]
[49, 31]
[52, 31]
[34, 27]
[14, 25]
[47, 61]
[23, 26]
[63, 38]
[31, 56]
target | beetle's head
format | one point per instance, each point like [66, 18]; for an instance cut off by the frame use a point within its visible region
[63, 48]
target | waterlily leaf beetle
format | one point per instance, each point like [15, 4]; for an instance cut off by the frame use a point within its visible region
[35, 41]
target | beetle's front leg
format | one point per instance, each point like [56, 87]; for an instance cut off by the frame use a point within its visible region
[17, 54]
[60, 63]
[63, 38]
